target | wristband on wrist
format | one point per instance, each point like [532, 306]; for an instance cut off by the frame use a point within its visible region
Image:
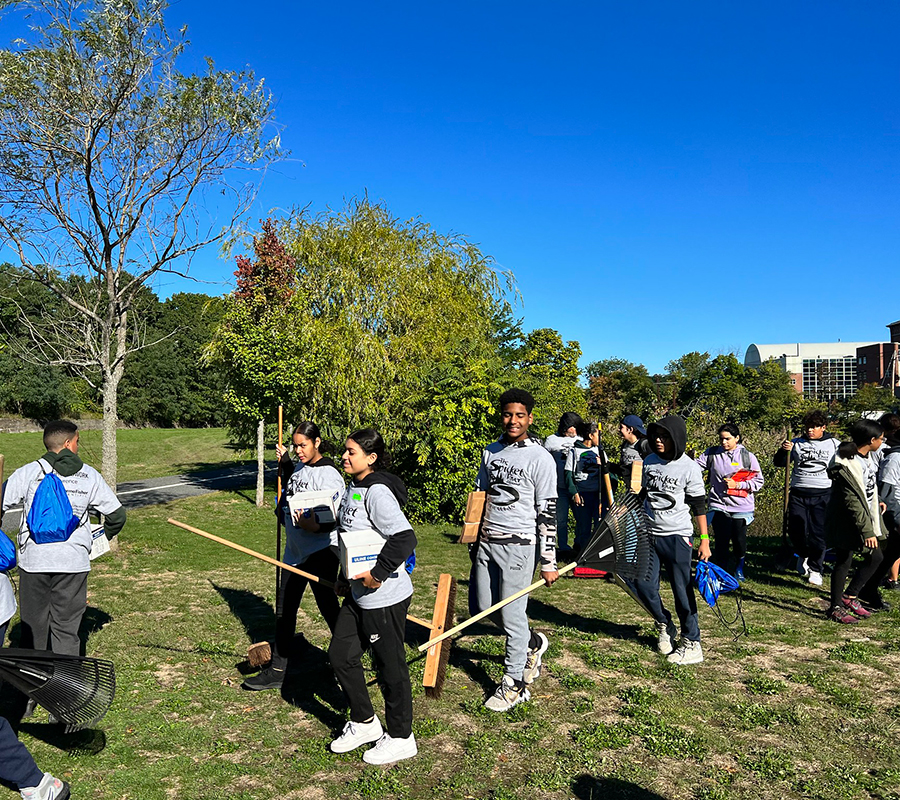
[704, 537]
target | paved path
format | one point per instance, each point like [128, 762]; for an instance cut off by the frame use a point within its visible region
[153, 491]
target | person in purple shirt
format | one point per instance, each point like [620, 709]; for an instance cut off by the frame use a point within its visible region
[731, 501]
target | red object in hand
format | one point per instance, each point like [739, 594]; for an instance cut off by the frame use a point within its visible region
[741, 475]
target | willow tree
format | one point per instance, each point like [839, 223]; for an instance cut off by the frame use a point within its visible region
[380, 321]
[116, 167]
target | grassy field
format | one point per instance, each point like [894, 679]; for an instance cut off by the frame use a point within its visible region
[798, 708]
[143, 452]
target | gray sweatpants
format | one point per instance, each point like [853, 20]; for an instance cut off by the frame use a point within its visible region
[498, 571]
[51, 605]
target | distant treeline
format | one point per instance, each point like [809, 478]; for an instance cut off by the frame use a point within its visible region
[166, 385]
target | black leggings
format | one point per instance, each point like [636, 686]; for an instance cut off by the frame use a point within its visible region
[843, 560]
[890, 552]
[323, 564]
[729, 533]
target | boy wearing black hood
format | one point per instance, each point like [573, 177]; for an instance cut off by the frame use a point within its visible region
[673, 490]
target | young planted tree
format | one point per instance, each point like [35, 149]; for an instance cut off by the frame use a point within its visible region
[108, 153]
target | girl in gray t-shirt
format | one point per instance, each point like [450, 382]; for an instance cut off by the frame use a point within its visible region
[373, 614]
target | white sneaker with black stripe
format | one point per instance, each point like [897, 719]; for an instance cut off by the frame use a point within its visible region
[507, 695]
[533, 660]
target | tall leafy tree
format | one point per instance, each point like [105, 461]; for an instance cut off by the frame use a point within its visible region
[107, 152]
[383, 323]
[548, 368]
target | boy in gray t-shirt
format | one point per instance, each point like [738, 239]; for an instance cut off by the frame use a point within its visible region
[519, 479]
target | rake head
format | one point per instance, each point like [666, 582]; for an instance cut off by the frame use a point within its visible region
[621, 542]
[77, 691]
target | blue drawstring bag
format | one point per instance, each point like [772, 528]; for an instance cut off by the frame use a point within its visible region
[712, 581]
[50, 518]
[7, 553]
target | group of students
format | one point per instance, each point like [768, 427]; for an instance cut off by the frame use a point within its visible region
[522, 516]
[846, 496]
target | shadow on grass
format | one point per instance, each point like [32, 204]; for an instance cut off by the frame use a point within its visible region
[254, 613]
[587, 787]
[540, 611]
[87, 742]
[310, 685]
[93, 620]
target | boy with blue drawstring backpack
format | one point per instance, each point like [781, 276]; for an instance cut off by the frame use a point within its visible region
[54, 560]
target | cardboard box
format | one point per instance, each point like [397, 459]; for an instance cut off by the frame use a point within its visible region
[359, 550]
[323, 504]
[99, 542]
[474, 516]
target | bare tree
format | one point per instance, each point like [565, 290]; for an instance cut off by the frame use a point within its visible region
[115, 167]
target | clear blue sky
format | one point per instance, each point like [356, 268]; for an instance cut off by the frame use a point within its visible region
[660, 177]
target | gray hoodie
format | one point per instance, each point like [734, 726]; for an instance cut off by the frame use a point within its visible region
[673, 488]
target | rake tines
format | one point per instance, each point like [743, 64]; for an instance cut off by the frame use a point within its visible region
[621, 542]
[77, 691]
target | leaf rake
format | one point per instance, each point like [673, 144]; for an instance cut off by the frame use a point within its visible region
[77, 691]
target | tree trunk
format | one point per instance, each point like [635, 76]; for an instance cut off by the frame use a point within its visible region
[109, 465]
[260, 462]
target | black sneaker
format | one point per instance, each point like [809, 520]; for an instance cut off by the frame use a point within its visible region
[269, 678]
[874, 604]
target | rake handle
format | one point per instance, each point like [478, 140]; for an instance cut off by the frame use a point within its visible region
[482, 614]
[274, 561]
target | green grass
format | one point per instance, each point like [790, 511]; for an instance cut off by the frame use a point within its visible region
[769, 716]
[143, 452]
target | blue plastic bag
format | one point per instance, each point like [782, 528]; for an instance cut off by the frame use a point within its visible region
[50, 518]
[7, 553]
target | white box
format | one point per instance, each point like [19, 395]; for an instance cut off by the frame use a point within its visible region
[99, 542]
[323, 504]
[359, 550]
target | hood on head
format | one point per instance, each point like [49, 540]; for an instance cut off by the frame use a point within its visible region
[676, 429]
[388, 479]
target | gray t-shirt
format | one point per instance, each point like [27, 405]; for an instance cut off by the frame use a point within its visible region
[810, 458]
[559, 447]
[375, 507]
[300, 544]
[667, 484]
[87, 492]
[7, 599]
[519, 479]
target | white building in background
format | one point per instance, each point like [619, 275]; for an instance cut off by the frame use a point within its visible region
[829, 370]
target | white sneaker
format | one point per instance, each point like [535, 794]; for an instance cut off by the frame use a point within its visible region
[507, 695]
[802, 568]
[668, 633]
[533, 660]
[687, 652]
[387, 750]
[355, 734]
[815, 578]
[49, 788]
